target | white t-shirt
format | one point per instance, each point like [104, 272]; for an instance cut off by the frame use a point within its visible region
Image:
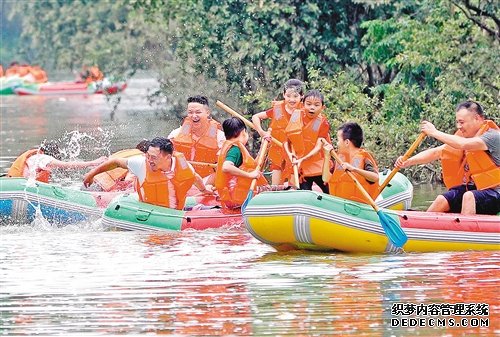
[35, 163]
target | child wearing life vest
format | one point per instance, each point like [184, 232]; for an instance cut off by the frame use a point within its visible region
[280, 115]
[356, 160]
[304, 131]
[235, 167]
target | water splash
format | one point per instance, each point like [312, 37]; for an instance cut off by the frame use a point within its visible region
[31, 182]
[73, 146]
[40, 223]
[78, 145]
[32, 170]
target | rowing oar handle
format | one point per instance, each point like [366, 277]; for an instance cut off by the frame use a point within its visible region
[295, 168]
[201, 163]
[246, 121]
[407, 154]
[260, 161]
[356, 181]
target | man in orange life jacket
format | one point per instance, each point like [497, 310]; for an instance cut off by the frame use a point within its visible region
[39, 163]
[356, 160]
[163, 176]
[235, 167]
[199, 138]
[470, 160]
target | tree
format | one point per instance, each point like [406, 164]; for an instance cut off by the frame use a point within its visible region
[485, 14]
[71, 33]
[254, 44]
[439, 57]
[9, 31]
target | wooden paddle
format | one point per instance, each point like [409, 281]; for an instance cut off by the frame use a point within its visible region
[408, 153]
[391, 227]
[201, 163]
[246, 121]
[260, 162]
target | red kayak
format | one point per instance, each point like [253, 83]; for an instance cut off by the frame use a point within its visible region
[70, 88]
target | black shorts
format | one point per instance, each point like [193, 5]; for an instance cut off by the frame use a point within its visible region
[307, 184]
[487, 201]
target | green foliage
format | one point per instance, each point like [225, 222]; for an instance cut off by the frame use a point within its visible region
[69, 34]
[436, 54]
[250, 45]
[385, 64]
[347, 101]
[10, 28]
[439, 58]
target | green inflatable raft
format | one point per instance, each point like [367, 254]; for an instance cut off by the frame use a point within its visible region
[20, 200]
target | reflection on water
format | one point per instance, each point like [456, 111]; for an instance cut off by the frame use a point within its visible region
[424, 195]
[83, 279]
[222, 282]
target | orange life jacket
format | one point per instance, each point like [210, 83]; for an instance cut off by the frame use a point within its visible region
[91, 74]
[203, 150]
[154, 189]
[482, 169]
[17, 168]
[1, 70]
[39, 74]
[452, 164]
[95, 74]
[113, 180]
[233, 190]
[23, 70]
[278, 124]
[341, 185]
[303, 139]
[12, 70]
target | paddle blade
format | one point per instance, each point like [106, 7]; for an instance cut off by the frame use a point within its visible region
[247, 200]
[392, 229]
